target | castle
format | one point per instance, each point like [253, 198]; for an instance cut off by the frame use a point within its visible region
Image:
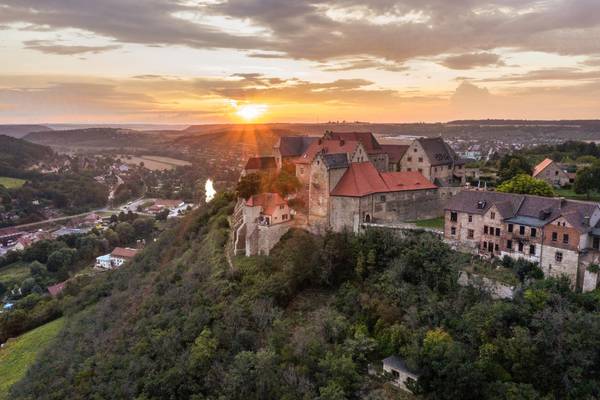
[348, 179]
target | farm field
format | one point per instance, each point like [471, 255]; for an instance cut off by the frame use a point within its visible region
[154, 163]
[20, 353]
[11, 183]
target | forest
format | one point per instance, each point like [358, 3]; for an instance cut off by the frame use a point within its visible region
[306, 322]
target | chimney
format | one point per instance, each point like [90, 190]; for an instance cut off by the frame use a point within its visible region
[586, 220]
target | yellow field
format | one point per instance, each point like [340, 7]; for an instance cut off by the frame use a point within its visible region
[154, 163]
[11, 183]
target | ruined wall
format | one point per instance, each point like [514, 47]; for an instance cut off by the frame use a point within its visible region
[269, 236]
[567, 266]
[318, 198]
[401, 206]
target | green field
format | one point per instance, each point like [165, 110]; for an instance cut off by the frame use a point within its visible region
[432, 223]
[11, 183]
[14, 273]
[19, 354]
[570, 194]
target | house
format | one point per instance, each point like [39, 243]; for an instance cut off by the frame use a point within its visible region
[551, 172]
[118, 257]
[395, 153]
[366, 195]
[562, 236]
[259, 223]
[375, 152]
[288, 148]
[259, 164]
[435, 159]
[401, 374]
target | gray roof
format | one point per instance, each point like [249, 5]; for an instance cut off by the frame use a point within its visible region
[332, 161]
[524, 209]
[294, 146]
[438, 152]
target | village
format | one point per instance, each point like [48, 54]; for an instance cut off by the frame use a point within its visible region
[348, 181]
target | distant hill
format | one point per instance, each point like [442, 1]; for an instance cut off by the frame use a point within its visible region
[92, 137]
[19, 131]
[18, 153]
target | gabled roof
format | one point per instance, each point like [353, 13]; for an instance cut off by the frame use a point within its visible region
[327, 146]
[367, 139]
[268, 201]
[294, 146]
[123, 252]
[261, 163]
[362, 179]
[542, 166]
[525, 209]
[56, 289]
[395, 151]
[438, 152]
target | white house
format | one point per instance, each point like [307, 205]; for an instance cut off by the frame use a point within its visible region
[400, 372]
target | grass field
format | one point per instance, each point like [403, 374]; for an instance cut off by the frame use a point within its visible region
[154, 163]
[19, 354]
[14, 273]
[432, 223]
[11, 183]
[570, 194]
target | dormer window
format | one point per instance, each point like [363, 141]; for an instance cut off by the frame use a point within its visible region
[492, 215]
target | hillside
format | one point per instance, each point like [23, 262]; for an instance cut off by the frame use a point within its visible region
[305, 322]
[19, 131]
[93, 137]
[17, 153]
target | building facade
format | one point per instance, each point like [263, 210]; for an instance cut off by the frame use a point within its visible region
[551, 172]
[434, 159]
[562, 236]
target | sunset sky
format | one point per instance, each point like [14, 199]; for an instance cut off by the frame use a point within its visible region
[207, 61]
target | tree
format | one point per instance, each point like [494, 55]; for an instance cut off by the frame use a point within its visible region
[248, 186]
[126, 232]
[143, 226]
[513, 165]
[525, 184]
[60, 259]
[587, 180]
[162, 215]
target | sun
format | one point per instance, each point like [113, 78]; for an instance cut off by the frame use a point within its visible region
[250, 112]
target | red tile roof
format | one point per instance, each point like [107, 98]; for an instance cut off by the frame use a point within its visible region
[362, 179]
[328, 146]
[268, 201]
[367, 139]
[395, 151]
[542, 166]
[123, 252]
[54, 290]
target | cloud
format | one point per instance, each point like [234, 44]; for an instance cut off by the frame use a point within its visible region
[50, 47]
[329, 30]
[472, 60]
[549, 74]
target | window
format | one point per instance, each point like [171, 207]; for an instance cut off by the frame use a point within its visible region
[521, 230]
[532, 249]
[566, 238]
[470, 233]
[492, 215]
[382, 198]
[420, 170]
[409, 169]
[496, 247]
[490, 247]
[510, 227]
[435, 169]
[420, 159]
[596, 244]
[554, 236]
[521, 247]
[453, 216]
[409, 159]
[509, 244]
[301, 170]
[453, 231]
[415, 150]
[470, 218]
[558, 256]
[281, 207]
[533, 232]
[284, 217]
[497, 231]
[395, 374]
[485, 229]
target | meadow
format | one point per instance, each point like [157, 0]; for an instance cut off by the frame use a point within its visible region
[11, 183]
